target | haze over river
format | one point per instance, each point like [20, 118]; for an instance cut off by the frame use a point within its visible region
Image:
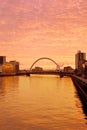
[40, 103]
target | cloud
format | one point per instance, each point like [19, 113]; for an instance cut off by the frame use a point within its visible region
[18, 18]
[50, 27]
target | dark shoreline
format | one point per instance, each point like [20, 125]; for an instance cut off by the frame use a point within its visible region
[13, 74]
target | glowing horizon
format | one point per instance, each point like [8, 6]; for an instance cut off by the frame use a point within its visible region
[35, 28]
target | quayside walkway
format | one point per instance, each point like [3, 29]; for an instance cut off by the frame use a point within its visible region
[81, 86]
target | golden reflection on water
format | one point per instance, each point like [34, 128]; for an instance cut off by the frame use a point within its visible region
[40, 103]
[8, 84]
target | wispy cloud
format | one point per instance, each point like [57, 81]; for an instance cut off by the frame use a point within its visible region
[50, 27]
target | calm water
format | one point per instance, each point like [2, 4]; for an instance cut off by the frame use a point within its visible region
[40, 103]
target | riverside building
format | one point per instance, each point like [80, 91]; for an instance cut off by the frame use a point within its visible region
[11, 67]
[2, 59]
[80, 58]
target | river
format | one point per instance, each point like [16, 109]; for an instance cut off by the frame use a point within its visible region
[40, 103]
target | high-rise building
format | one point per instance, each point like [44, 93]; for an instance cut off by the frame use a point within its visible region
[2, 59]
[80, 57]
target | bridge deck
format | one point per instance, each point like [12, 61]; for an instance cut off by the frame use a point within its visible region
[61, 74]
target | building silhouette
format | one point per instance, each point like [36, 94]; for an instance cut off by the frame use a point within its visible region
[10, 67]
[80, 58]
[2, 59]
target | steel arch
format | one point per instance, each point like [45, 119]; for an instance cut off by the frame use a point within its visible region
[42, 59]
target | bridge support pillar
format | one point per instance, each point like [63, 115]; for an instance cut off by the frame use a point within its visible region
[28, 74]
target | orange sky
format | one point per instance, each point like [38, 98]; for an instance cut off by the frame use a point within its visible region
[30, 29]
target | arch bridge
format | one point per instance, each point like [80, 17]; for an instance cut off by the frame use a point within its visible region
[58, 67]
[59, 72]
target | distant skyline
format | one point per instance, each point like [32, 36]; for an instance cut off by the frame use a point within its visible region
[30, 29]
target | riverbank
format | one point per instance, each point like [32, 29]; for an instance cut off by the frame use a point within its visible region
[21, 72]
[81, 87]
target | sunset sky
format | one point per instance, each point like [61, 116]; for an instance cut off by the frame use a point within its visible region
[30, 29]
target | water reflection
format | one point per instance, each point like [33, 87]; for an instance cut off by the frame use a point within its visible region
[8, 84]
[39, 103]
[80, 104]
